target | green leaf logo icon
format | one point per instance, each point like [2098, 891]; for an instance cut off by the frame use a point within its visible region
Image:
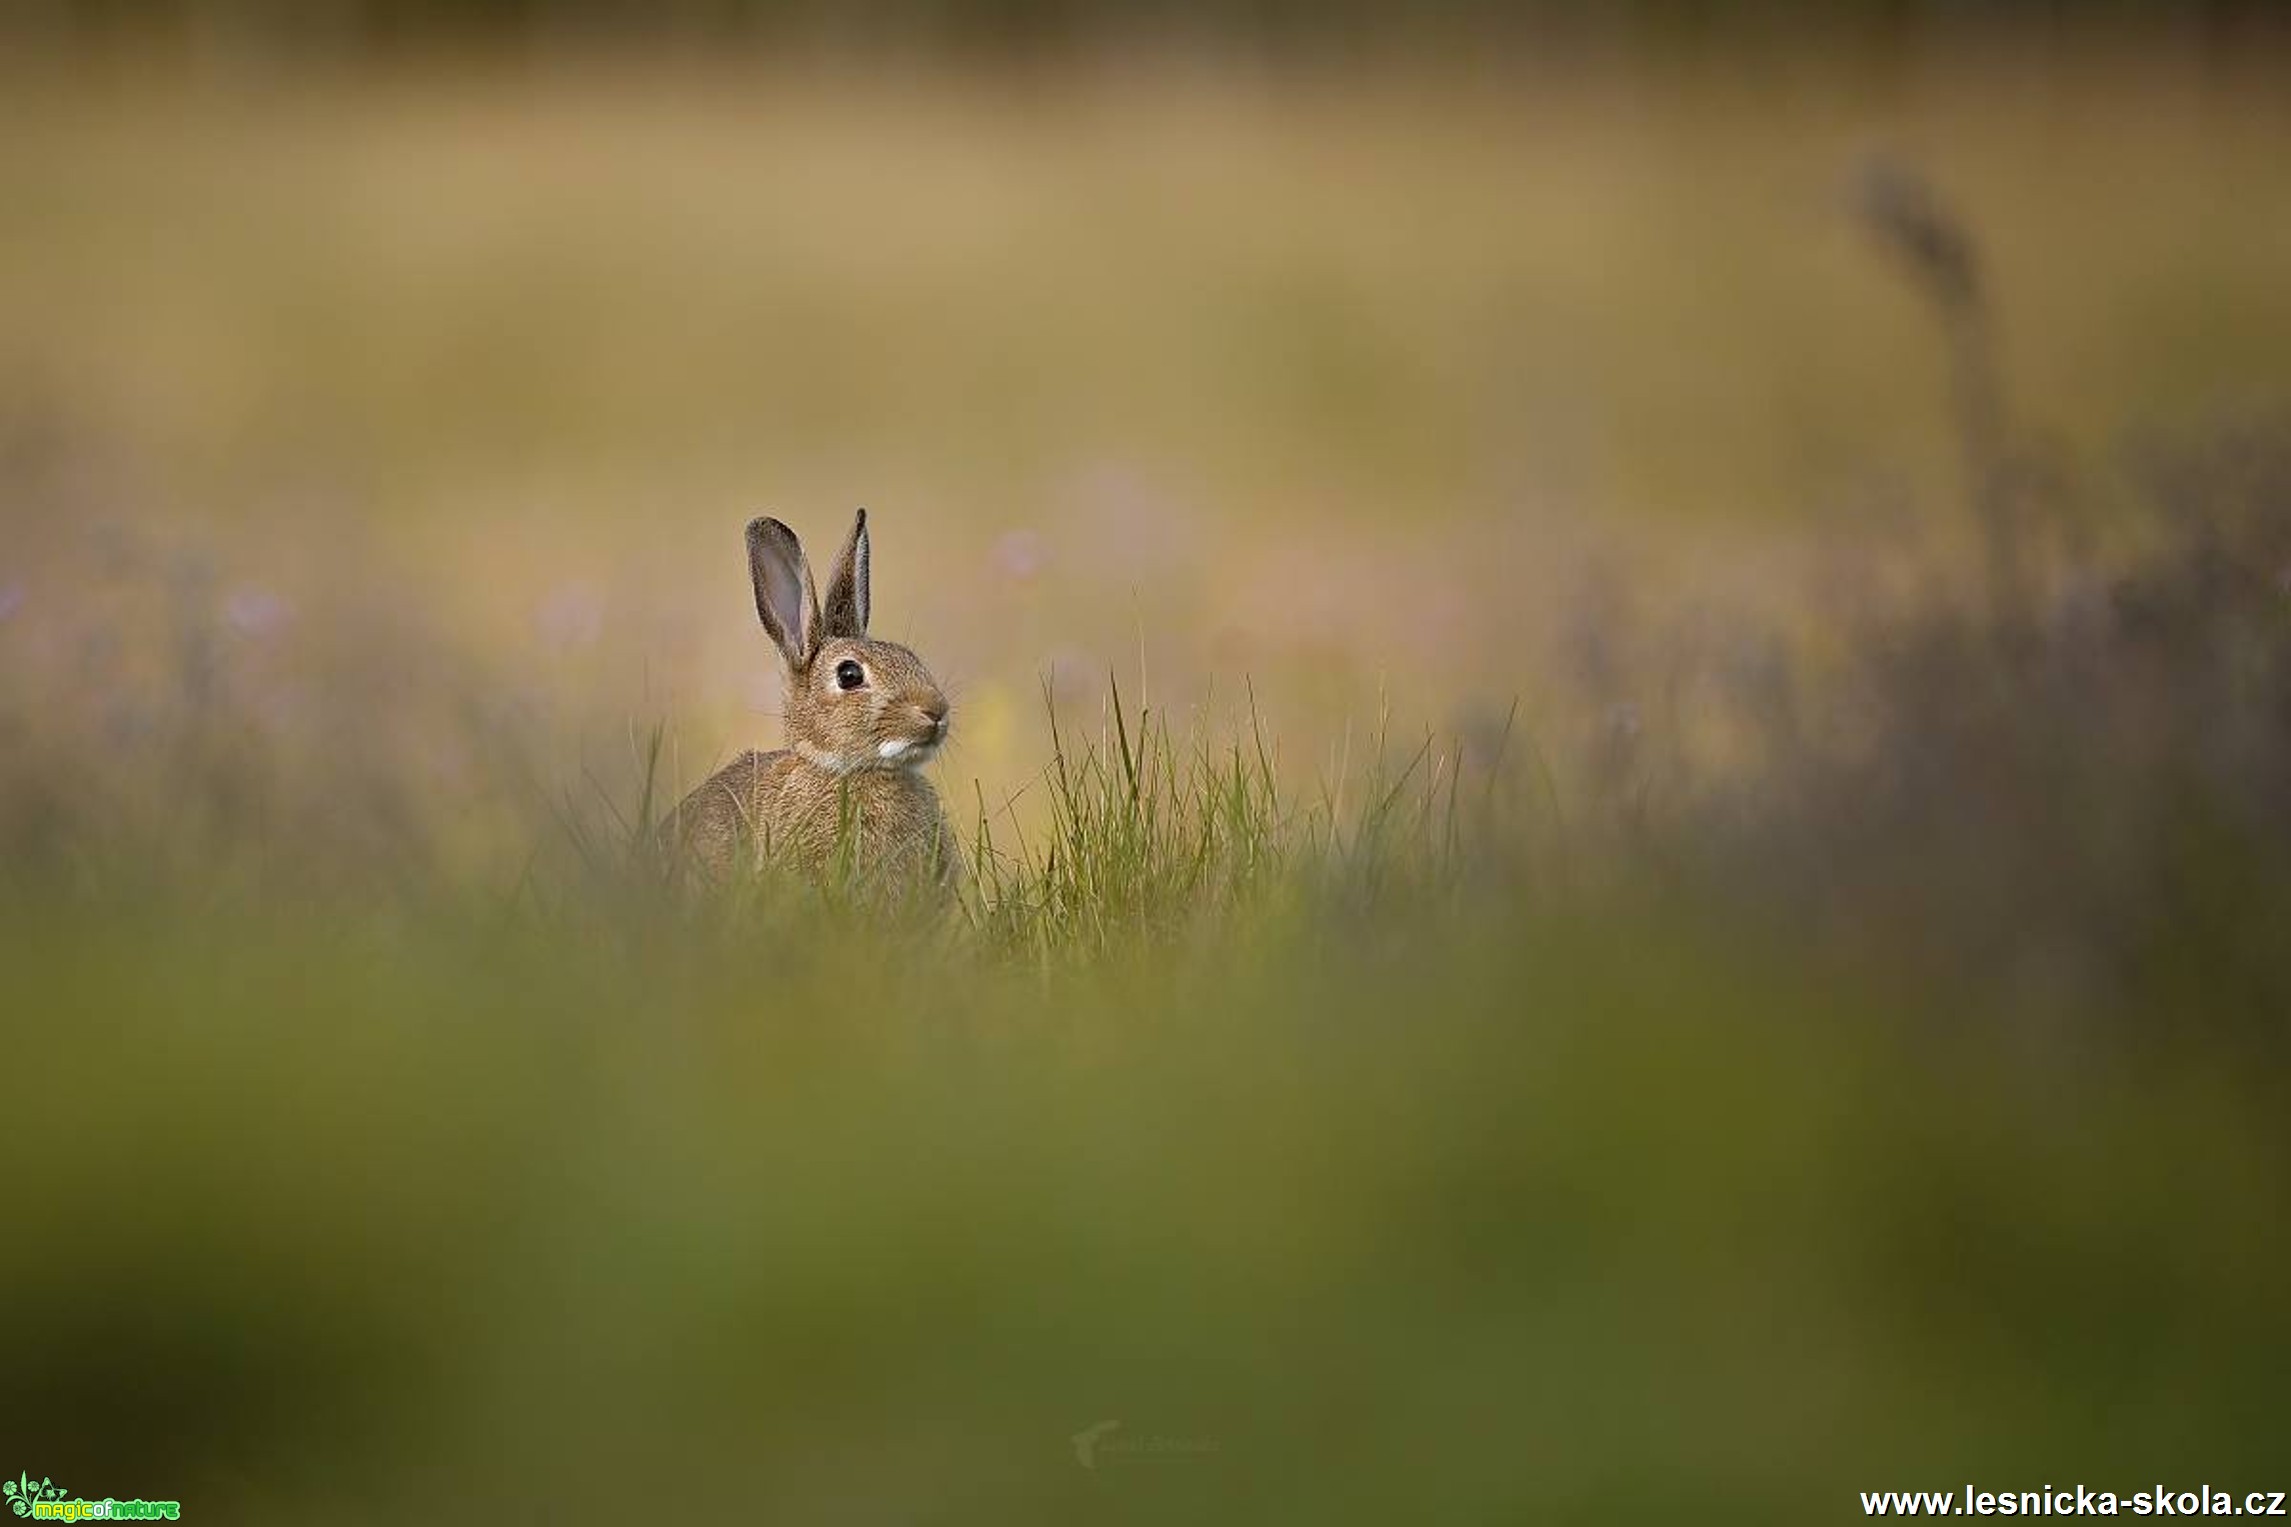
[23, 1494]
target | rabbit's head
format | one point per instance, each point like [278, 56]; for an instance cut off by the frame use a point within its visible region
[852, 702]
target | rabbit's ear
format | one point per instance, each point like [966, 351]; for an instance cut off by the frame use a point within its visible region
[844, 611]
[785, 600]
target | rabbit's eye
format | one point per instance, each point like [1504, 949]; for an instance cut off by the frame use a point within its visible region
[849, 675]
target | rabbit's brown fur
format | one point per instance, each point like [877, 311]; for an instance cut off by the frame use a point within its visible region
[849, 782]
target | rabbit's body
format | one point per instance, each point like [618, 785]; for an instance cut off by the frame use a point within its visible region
[863, 717]
[762, 805]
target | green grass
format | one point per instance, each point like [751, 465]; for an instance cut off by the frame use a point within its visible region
[1291, 1134]
[1149, 839]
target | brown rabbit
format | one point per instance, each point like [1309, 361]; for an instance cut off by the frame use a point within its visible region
[863, 717]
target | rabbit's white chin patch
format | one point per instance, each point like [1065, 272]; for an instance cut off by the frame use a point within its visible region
[906, 751]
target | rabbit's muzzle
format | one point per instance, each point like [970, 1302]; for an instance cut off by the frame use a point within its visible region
[927, 729]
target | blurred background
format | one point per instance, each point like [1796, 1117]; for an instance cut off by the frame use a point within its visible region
[1818, 477]
[1347, 350]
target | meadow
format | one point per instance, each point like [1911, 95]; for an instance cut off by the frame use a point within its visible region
[1622, 737]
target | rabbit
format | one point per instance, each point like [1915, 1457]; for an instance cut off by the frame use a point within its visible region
[863, 716]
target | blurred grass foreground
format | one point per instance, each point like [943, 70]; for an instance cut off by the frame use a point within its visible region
[1624, 738]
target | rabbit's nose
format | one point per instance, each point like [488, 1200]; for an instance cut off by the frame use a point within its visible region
[935, 711]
